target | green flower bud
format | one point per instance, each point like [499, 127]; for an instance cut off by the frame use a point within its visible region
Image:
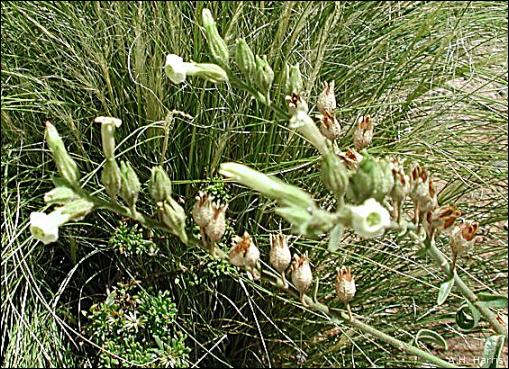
[160, 184]
[130, 184]
[311, 222]
[373, 178]
[287, 89]
[296, 84]
[77, 209]
[174, 217]
[108, 125]
[217, 45]
[211, 72]
[60, 195]
[65, 164]
[334, 175]
[245, 58]
[268, 185]
[264, 73]
[111, 178]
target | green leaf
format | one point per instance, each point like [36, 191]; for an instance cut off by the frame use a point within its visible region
[467, 316]
[492, 301]
[445, 289]
[335, 237]
[425, 335]
[492, 351]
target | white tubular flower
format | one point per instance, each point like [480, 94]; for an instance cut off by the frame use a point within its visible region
[176, 69]
[44, 226]
[370, 219]
[108, 125]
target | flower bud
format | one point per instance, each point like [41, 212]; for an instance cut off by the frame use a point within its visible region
[303, 124]
[264, 73]
[160, 184]
[326, 102]
[329, 126]
[345, 285]
[65, 164]
[245, 58]
[301, 274]
[267, 185]
[373, 178]
[462, 238]
[60, 195]
[217, 224]
[131, 186]
[108, 125]
[370, 219]
[245, 254]
[309, 221]
[334, 175]
[280, 256]
[211, 72]
[363, 134]
[77, 209]
[217, 45]
[296, 84]
[44, 226]
[111, 178]
[174, 217]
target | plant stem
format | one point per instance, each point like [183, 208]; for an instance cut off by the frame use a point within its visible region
[442, 262]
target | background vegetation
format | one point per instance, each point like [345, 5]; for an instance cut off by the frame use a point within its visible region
[432, 74]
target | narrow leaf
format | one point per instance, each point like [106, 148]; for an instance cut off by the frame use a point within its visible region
[425, 335]
[492, 351]
[445, 289]
[467, 316]
[492, 300]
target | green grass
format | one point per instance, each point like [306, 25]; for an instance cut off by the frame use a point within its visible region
[429, 74]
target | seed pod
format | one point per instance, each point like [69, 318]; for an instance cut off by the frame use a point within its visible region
[217, 45]
[216, 226]
[245, 58]
[363, 134]
[131, 186]
[440, 219]
[245, 254]
[401, 187]
[160, 184]
[111, 178]
[326, 102]
[462, 238]
[345, 285]
[329, 126]
[66, 165]
[280, 256]
[351, 158]
[301, 274]
[202, 209]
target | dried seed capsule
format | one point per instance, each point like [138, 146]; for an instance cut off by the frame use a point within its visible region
[245, 254]
[326, 102]
[301, 274]
[363, 134]
[216, 226]
[440, 219]
[329, 126]
[202, 209]
[462, 238]
[351, 158]
[280, 256]
[345, 285]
